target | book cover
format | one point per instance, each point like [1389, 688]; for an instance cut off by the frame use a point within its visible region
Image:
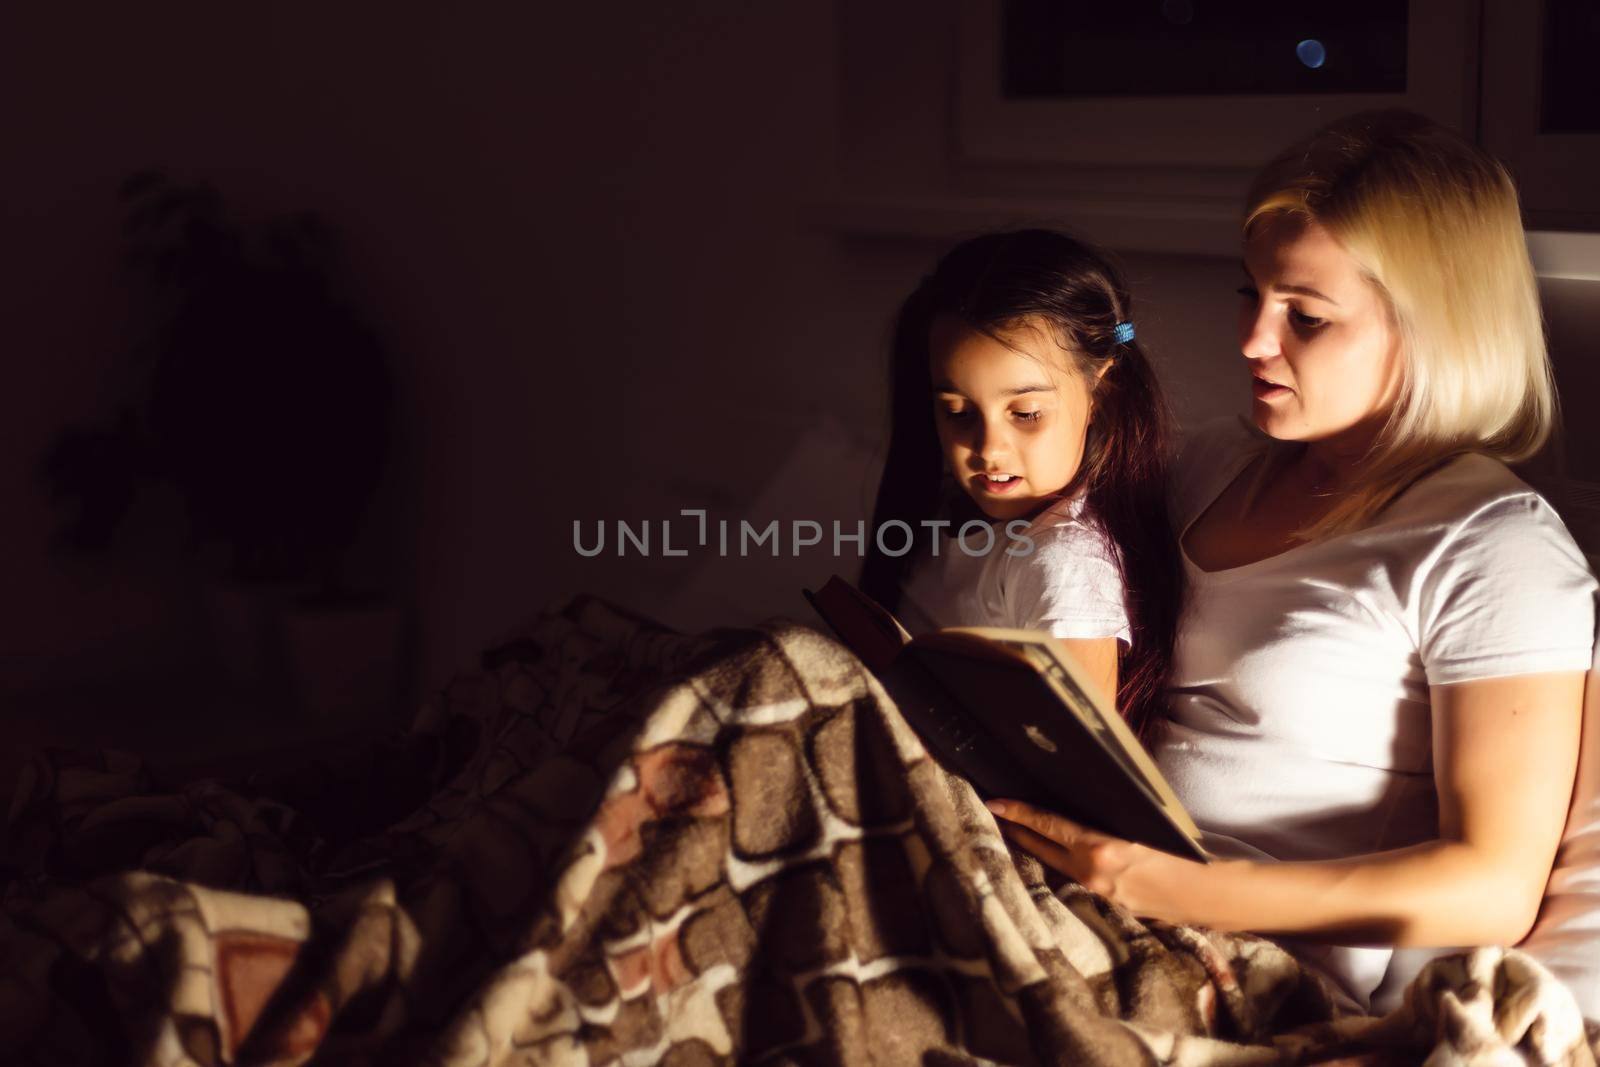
[1010, 711]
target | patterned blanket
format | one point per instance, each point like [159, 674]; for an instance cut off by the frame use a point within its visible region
[616, 844]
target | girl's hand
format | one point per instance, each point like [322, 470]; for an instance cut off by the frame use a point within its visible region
[1143, 880]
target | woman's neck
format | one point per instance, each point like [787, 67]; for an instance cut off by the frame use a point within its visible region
[1334, 463]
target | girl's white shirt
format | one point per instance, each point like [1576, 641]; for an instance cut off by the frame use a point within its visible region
[1298, 724]
[1068, 585]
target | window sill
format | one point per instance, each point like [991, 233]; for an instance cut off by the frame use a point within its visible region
[1161, 225]
[1174, 227]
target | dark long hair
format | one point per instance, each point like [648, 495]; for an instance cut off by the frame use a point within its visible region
[1000, 281]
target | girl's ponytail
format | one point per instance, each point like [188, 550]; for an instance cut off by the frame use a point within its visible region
[1125, 474]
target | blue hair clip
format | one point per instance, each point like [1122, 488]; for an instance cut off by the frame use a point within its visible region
[1123, 333]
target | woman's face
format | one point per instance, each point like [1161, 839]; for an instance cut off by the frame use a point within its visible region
[1323, 352]
[1012, 414]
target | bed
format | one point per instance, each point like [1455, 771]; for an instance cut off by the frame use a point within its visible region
[618, 843]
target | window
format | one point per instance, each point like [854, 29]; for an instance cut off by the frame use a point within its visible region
[1184, 47]
[1195, 85]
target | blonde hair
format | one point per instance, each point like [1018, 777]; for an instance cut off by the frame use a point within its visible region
[1434, 224]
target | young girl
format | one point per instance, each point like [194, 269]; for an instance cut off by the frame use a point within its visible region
[1028, 453]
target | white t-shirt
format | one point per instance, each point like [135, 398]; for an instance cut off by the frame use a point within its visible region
[1069, 584]
[1298, 724]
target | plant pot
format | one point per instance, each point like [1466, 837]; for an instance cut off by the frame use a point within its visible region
[245, 623]
[343, 658]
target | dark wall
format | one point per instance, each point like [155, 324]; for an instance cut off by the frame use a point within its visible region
[577, 227]
[605, 248]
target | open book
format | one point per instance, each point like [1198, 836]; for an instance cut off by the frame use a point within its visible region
[1010, 711]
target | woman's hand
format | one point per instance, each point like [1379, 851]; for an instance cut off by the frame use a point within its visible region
[1505, 752]
[1146, 882]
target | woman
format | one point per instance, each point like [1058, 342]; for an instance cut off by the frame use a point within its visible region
[1377, 682]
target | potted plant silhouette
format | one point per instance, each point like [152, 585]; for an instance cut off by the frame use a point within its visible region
[259, 392]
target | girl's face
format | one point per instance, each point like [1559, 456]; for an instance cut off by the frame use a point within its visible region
[1012, 416]
[1324, 355]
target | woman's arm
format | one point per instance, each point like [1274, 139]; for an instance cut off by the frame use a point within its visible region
[1505, 753]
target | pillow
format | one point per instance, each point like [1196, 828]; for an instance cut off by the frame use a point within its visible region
[829, 476]
[1566, 937]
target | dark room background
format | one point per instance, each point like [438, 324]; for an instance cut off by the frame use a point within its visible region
[623, 260]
